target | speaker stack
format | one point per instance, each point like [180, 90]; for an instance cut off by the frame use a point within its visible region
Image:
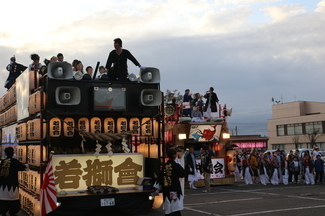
[67, 96]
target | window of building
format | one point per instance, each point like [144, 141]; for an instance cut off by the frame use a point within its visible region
[278, 146]
[318, 126]
[299, 145]
[309, 127]
[291, 129]
[280, 130]
[298, 129]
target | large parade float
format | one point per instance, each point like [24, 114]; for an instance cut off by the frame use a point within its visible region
[95, 146]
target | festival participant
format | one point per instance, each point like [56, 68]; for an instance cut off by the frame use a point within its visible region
[211, 103]
[187, 98]
[263, 166]
[89, 70]
[118, 58]
[319, 169]
[60, 57]
[206, 164]
[9, 190]
[275, 171]
[254, 165]
[191, 167]
[170, 184]
[308, 165]
[36, 65]
[295, 169]
[285, 170]
[15, 70]
[247, 171]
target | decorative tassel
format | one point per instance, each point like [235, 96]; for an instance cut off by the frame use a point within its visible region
[109, 149]
[125, 146]
[99, 147]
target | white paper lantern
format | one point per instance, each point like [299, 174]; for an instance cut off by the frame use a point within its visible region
[122, 124]
[95, 125]
[68, 127]
[109, 125]
[55, 127]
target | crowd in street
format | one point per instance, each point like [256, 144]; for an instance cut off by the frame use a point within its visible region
[278, 168]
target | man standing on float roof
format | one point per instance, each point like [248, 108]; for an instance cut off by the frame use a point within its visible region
[118, 58]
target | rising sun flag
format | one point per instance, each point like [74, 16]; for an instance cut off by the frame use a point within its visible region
[48, 191]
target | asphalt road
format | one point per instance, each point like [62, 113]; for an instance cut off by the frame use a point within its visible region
[241, 200]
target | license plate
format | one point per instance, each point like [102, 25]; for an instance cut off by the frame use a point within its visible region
[107, 202]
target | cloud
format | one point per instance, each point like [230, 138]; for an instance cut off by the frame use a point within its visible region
[279, 13]
[226, 20]
[320, 7]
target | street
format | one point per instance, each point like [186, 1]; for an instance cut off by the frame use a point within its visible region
[241, 200]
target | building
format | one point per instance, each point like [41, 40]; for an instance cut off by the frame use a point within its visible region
[298, 124]
[250, 142]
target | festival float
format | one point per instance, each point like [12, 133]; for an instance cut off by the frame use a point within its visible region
[92, 146]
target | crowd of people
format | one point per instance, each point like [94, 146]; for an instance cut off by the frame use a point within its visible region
[276, 168]
[116, 68]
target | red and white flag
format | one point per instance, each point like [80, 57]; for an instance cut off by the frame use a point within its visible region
[48, 194]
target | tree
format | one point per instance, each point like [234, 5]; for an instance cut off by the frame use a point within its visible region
[295, 140]
[312, 135]
[169, 95]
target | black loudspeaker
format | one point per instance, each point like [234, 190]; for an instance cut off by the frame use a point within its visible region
[151, 97]
[60, 70]
[149, 75]
[67, 95]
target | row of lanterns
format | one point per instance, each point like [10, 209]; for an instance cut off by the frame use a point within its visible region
[30, 204]
[30, 180]
[8, 98]
[8, 116]
[107, 125]
[30, 154]
[30, 130]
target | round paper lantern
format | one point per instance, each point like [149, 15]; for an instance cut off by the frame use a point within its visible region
[109, 125]
[95, 125]
[122, 125]
[231, 160]
[55, 127]
[68, 127]
[146, 129]
[135, 126]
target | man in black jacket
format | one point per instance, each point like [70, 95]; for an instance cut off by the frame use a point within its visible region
[118, 58]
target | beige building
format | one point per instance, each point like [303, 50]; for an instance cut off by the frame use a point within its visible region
[292, 122]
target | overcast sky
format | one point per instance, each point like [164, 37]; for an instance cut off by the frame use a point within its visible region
[248, 50]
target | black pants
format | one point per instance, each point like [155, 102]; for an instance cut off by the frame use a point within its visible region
[320, 174]
[296, 174]
[13, 206]
[176, 213]
[290, 176]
